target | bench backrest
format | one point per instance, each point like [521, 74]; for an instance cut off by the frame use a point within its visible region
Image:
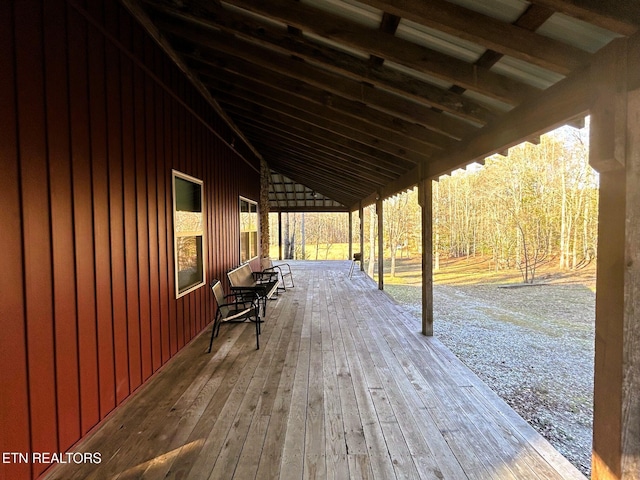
[241, 276]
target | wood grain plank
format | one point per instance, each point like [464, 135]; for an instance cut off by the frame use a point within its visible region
[272, 452]
[244, 413]
[292, 463]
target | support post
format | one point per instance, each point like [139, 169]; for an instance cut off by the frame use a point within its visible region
[616, 422]
[380, 214]
[425, 197]
[350, 235]
[631, 329]
[361, 214]
[279, 235]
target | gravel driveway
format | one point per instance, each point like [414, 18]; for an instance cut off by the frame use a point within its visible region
[533, 345]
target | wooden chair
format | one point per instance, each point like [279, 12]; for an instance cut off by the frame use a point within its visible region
[283, 269]
[235, 308]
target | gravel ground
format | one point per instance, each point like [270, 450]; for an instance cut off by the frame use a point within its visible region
[533, 345]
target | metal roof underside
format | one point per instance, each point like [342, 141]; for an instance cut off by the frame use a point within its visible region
[348, 99]
[285, 195]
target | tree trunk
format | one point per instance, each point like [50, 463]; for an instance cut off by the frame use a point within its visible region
[393, 260]
[287, 238]
[563, 222]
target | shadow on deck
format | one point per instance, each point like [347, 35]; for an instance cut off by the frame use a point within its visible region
[344, 386]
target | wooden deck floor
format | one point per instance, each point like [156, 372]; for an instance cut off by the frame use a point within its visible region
[343, 386]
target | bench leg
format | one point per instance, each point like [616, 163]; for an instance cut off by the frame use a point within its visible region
[258, 332]
[216, 326]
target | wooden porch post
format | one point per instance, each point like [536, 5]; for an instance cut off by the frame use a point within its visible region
[425, 197]
[615, 153]
[380, 214]
[350, 235]
[279, 235]
[361, 214]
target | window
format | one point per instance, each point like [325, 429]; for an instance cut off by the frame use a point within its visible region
[188, 233]
[248, 230]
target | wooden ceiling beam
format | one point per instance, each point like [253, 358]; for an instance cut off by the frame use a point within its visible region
[560, 103]
[328, 156]
[323, 164]
[266, 66]
[290, 91]
[289, 137]
[324, 117]
[274, 112]
[309, 209]
[338, 62]
[341, 188]
[489, 32]
[141, 16]
[532, 18]
[390, 47]
[382, 161]
[293, 164]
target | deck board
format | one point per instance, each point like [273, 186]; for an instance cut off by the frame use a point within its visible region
[343, 386]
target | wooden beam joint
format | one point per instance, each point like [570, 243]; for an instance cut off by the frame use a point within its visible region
[609, 107]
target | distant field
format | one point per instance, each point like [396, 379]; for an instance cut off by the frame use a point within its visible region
[475, 270]
[336, 251]
[457, 271]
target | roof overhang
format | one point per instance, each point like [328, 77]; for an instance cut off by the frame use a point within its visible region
[353, 100]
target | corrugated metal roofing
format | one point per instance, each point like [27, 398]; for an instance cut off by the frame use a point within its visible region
[439, 41]
[347, 98]
[506, 10]
[287, 195]
[576, 32]
[525, 72]
[354, 11]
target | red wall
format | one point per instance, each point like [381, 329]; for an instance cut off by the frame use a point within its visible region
[93, 117]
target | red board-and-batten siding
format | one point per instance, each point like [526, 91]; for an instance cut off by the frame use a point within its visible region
[93, 119]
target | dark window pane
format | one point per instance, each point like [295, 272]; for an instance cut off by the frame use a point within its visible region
[188, 196]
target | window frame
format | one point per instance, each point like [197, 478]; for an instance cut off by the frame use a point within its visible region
[252, 243]
[197, 233]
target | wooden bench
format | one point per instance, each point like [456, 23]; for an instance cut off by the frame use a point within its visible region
[264, 284]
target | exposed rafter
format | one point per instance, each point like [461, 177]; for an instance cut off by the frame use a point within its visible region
[491, 33]
[390, 47]
[353, 109]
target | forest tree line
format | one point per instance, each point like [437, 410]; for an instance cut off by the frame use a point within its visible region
[537, 206]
